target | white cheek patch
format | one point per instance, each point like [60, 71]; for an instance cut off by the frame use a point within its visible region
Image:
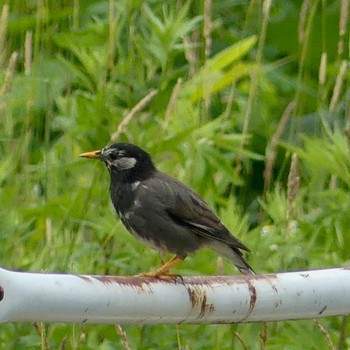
[124, 163]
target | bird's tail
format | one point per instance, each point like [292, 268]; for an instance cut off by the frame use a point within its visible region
[234, 255]
[243, 266]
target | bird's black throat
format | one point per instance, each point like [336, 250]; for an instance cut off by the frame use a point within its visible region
[122, 182]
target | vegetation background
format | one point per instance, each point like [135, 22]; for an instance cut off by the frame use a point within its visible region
[248, 102]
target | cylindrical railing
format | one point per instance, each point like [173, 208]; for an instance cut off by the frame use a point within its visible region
[142, 300]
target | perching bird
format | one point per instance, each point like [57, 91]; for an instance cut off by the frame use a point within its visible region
[162, 211]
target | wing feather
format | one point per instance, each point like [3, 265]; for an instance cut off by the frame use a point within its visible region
[186, 208]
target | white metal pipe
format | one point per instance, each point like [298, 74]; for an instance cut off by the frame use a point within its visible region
[142, 300]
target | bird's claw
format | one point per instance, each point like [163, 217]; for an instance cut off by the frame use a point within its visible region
[164, 276]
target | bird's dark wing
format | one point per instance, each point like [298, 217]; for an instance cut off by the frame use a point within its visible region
[186, 208]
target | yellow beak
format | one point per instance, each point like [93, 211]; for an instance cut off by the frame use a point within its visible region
[92, 154]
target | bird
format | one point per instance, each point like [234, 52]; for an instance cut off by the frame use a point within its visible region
[163, 212]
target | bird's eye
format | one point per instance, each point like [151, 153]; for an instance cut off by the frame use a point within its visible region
[113, 156]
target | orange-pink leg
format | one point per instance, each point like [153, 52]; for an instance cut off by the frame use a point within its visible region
[163, 271]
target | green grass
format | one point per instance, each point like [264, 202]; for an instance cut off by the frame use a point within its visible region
[222, 77]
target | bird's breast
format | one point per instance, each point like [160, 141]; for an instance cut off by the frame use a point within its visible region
[121, 198]
[125, 198]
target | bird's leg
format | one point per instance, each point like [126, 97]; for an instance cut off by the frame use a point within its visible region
[163, 271]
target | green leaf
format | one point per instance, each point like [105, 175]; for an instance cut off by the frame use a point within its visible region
[213, 77]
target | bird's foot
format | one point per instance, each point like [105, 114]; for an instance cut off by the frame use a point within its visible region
[161, 275]
[163, 272]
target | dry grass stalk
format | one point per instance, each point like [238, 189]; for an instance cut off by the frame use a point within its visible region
[208, 27]
[302, 20]
[322, 74]
[342, 337]
[123, 338]
[293, 185]
[325, 333]
[178, 336]
[344, 15]
[63, 343]
[172, 101]
[263, 336]
[240, 339]
[40, 329]
[272, 148]
[10, 71]
[333, 182]
[266, 8]
[219, 266]
[136, 109]
[191, 53]
[4, 19]
[48, 231]
[230, 100]
[338, 85]
[28, 53]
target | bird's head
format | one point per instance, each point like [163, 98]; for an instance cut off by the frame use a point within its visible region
[124, 159]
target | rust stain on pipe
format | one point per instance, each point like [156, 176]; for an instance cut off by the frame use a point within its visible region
[198, 298]
[193, 285]
[206, 308]
[85, 278]
[192, 297]
[209, 281]
[252, 300]
[140, 284]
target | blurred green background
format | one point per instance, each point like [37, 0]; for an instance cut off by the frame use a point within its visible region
[247, 102]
